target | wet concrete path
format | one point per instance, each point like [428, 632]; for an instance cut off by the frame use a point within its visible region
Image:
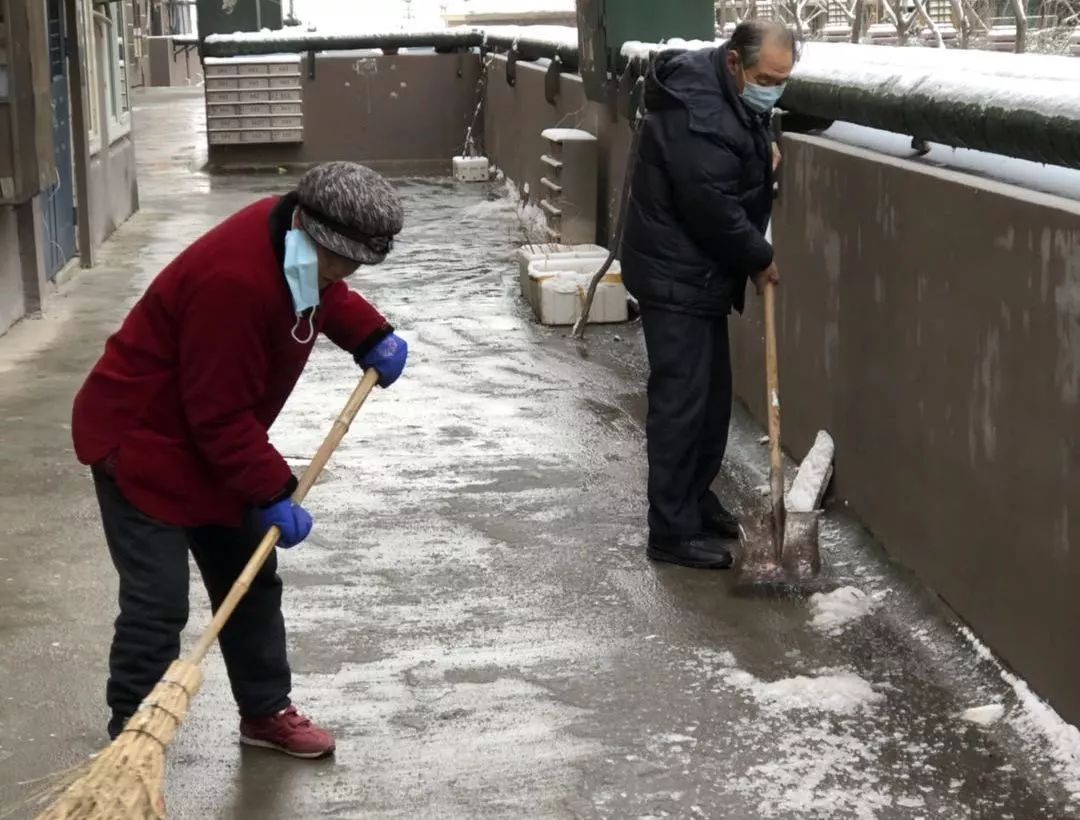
[474, 616]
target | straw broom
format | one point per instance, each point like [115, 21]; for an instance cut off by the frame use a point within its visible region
[127, 780]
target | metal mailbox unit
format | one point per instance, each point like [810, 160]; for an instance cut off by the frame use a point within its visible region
[254, 100]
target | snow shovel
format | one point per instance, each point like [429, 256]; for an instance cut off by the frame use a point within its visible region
[791, 557]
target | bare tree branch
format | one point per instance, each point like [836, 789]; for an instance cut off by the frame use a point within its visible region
[920, 7]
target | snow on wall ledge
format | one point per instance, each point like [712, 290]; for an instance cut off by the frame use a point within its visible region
[1020, 105]
[1026, 106]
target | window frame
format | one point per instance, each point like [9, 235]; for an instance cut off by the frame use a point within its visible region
[104, 29]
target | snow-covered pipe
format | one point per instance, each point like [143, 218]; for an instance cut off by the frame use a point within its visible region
[293, 40]
[1020, 105]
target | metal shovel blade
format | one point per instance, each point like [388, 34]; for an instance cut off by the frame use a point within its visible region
[799, 570]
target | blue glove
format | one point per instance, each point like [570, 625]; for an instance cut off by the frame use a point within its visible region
[388, 358]
[293, 520]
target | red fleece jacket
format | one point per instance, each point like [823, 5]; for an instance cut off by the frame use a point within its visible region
[181, 402]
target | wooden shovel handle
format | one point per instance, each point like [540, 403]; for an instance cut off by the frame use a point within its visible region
[270, 540]
[772, 398]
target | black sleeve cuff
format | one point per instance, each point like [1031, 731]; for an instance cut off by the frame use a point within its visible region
[369, 343]
[290, 488]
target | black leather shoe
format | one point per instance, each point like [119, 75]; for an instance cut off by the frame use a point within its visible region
[699, 553]
[717, 521]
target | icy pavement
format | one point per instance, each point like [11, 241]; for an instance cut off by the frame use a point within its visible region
[474, 616]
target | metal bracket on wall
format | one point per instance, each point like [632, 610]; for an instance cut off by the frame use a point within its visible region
[311, 65]
[551, 81]
[636, 99]
[613, 86]
[511, 67]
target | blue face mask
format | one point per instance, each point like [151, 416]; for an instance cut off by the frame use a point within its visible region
[762, 98]
[302, 275]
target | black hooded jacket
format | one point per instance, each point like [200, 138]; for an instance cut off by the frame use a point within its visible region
[701, 193]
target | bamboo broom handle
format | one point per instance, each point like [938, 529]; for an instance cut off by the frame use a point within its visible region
[270, 540]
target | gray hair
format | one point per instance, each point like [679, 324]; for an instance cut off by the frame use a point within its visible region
[749, 37]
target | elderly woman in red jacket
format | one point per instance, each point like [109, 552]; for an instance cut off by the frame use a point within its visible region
[174, 422]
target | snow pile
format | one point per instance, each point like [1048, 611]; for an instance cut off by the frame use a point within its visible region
[1038, 723]
[554, 36]
[833, 612]
[637, 50]
[983, 715]
[828, 692]
[1049, 85]
[814, 472]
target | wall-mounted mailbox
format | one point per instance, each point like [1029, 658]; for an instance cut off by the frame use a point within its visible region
[254, 100]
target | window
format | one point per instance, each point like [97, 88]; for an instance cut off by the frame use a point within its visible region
[113, 38]
[106, 67]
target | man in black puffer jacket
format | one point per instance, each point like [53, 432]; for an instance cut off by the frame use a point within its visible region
[701, 198]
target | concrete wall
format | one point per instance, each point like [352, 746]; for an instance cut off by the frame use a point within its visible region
[167, 65]
[931, 321]
[515, 117]
[113, 188]
[12, 301]
[399, 114]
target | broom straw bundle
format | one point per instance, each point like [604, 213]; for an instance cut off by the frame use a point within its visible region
[127, 780]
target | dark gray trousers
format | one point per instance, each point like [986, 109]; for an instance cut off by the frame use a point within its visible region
[689, 414]
[152, 561]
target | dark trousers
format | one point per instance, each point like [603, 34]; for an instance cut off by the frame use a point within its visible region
[152, 561]
[689, 414]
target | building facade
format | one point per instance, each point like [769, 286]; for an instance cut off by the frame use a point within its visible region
[67, 160]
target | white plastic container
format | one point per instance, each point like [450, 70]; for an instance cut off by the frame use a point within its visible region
[472, 169]
[534, 253]
[558, 285]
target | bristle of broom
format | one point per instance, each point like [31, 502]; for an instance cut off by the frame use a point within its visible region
[127, 780]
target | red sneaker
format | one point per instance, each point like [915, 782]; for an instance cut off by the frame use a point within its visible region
[288, 731]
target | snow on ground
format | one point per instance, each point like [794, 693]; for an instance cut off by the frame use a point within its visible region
[832, 612]
[983, 715]
[1045, 731]
[825, 693]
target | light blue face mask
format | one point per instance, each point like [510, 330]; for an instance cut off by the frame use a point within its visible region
[762, 98]
[302, 275]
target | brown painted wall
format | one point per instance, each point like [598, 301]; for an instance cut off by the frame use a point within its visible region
[171, 66]
[113, 187]
[515, 117]
[406, 113]
[931, 322]
[12, 303]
